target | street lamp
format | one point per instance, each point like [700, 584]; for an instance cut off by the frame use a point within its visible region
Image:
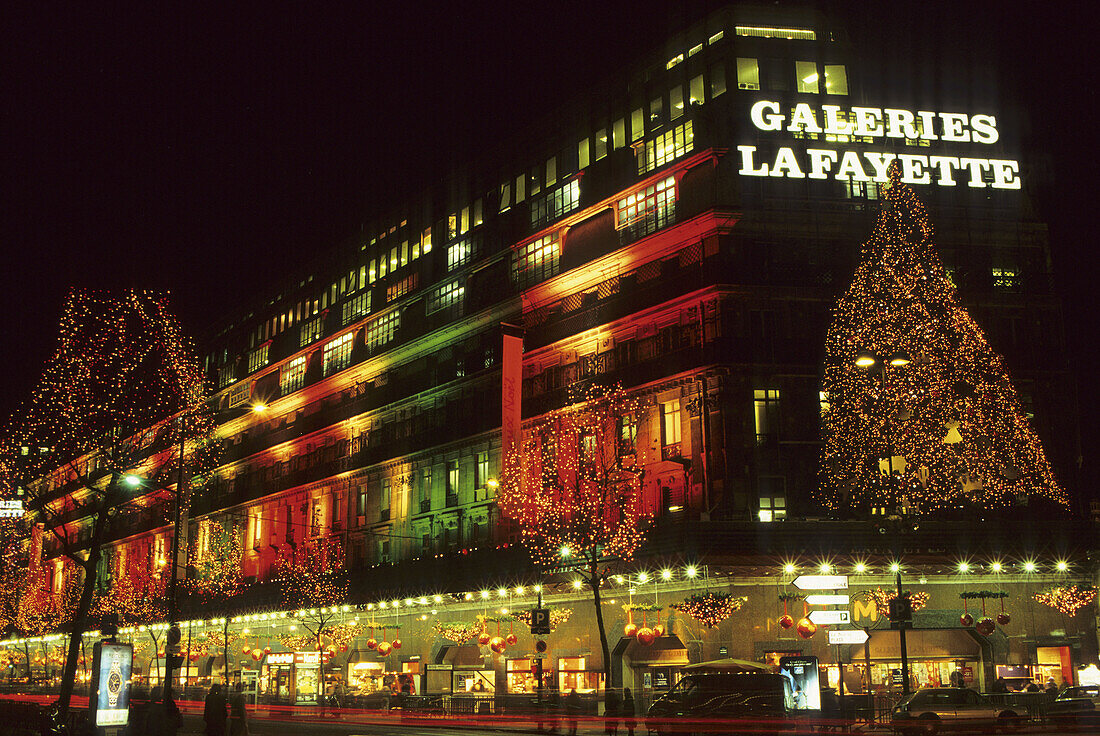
[895, 515]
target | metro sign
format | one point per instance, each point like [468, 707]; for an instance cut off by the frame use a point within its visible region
[847, 636]
[821, 582]
[830, 618]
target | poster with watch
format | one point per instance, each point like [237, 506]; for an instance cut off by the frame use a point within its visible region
[111, 668]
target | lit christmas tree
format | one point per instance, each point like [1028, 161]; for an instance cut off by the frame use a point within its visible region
[912, 387]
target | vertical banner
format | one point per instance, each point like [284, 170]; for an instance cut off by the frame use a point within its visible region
[511, 384]
[109, 698]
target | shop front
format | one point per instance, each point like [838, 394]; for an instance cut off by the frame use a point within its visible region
[290, 677]
[649, 671]
[937, 658]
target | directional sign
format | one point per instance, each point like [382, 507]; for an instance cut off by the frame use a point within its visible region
[823, 599]
[821, 582]
[825, 618]
[847, 636]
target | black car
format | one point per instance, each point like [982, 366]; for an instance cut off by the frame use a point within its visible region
[721, 702]
[1076, 706]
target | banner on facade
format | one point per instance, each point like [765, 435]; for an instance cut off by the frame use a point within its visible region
[511, 385]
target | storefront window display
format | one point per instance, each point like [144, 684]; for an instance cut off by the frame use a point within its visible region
[521, 676]
[572, 675]
[476, 682]
[365, 678]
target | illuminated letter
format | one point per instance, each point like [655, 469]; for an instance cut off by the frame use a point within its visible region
[748, 166]
[881, 162]
[944, 164]
[954, 127]
[976, 166]
[850, 168]
[868, 121]
[785, 160]
[772, 121]
[927, 121]
[899, 124]
[803, 119]
[864, 609]
[821, 160]
[1005, 174]
[914, 169]
[985, 129]
[834, 126]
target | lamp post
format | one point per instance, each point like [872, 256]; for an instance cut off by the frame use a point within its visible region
[895, 513]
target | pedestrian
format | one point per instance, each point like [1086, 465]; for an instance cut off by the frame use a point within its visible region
[1033, 687]
[572, 711]
[1000, 686]
[611, 713]
[238, 718]
[1052, 687]
[213, 714]
[339, 694]
[627, 711]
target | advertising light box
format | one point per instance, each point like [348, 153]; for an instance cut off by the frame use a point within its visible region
[112, 665]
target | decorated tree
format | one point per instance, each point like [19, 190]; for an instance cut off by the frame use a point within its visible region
[574, 495]
[122, 390]
[136, 594]
[216, 561]
[921, 411]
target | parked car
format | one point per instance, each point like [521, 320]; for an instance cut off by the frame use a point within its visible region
[1076, 706]
[932, 710]
[716, 702]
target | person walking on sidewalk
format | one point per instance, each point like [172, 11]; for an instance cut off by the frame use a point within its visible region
[213, 713]
[626, 710]
[611, 713]
[572, 710]
[238, 723]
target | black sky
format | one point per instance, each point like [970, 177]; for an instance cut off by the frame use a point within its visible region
[212, 148]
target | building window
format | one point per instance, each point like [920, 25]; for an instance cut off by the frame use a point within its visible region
[695, 91]
[310, 331]
[805, 73]
[582, 154]
[447, 295]
[836, 79]
[424, 492]
[452, 483]
[670, 429]
[337, 354]
[766, 405]
[748, 74]
[628, 434]
[791, 34]
[823, 404]
[356, 308]
[239, 395]
[649, 209]
[401, 288]
[1006, 278]
[459, 254]
[537, 260]
[676, 102]
[257, 359]
[717, 80]
[226, 375]
[556, 203]
[772, 505]
[293, 376]
[481, 470]
[666, 147]
[384, 501]
[381, 330]
[861, 189]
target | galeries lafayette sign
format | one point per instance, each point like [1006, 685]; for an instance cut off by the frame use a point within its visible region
[878, 123]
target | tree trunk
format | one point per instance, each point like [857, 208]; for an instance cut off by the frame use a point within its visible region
[594, 581]
[225, 641]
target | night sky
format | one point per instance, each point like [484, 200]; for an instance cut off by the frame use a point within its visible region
[212, 149]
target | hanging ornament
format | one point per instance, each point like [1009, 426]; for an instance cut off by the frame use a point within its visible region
[396, 644]
[646, 636]
[710, 608]
[511, 640]
[256, 654]
[246, 650]
[1068, 600]
[806, 628]
[1003, 618]
[483, 638]
[966, 620]
[985, 626]
[384, 648]
[630, 630]
[372, 643]
[658, 628]
[267, 650]
[497, 644]
[786, 621]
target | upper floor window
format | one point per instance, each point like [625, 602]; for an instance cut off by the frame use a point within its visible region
[666, 147]
[257, 358]
[402, 287]
[384, 500]
[239, 395]
[452, 480]
[459, 254]
[772, 503]
[447, 295]
[381, 331]
[555, 203]
[806, 76]
[836, 79]
[628, 434]
[791, 34]
[748, 74]
[537, 260]
[670, 422]
[226, 375]
[293, 376]
[766, 409]
[310, 331]
[356, 307]
[337, 354]
[1006, 278]
[649, 209]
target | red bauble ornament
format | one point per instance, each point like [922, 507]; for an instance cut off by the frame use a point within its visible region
[630, 630]
[646, 636]
[245, 650]
[985, 626]
[384, 648]
[659, 630]
[396, 643]
[1003, 619]
[372, 643]
[267, 650]
[511, 640]
[483, 638]
[256, 654]
[497, 644]
[786, 621]
[806, 628]
[194, 658]
[966, 619]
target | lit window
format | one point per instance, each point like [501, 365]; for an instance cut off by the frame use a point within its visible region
[381, 331]
[772, 503]
[551, 170]
[599, 144]
[384, 499]
[426, 241]
[748, 74]
[676, 102]
[618, 133]
[445, 296]
[293, 376]
[226, 375]
[537, 260]
[823, 403]
[458, 254]
[655, 112]
[355, 308]
[1006, 278]
[452, 478]
[628, 434]
[649, 209]
[582, 154]
[238, 395]
[556, 203]
[336, 355]
[695, 90]
[861, 189]
[667, 147]
[402, 287]
[766, 405]
[481, 470]
[670, 423]
[257, 359]
[674, 61]
[836, 79]
[716, 37]
[637, 125]
[506, 196]
[695, 49]
[806, 75]
[310, 331]
[792, 34]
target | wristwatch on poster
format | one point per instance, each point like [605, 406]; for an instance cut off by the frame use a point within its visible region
[114, 681]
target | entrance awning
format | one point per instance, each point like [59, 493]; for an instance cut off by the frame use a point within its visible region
[665, 651]
[728, 665]
[924, 644]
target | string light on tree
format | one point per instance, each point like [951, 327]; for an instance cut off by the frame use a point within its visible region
[710, 608]
[1068, 600]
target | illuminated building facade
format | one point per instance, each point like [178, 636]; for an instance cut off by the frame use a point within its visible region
[686, 234]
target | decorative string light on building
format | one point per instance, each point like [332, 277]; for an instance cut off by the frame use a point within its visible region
[457, 631]
[1068, 600]
[710, 608]
[950, 417]
[918, 599]
[558, 616]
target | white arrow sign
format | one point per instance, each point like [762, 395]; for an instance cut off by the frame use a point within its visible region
[847, 636]
[821, 582]
[825, 618]
[824, 599]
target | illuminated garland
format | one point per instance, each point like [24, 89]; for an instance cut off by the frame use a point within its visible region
[218, 565]
[917, 599]
[457, 631]
[558, 616]
[1068, 600]
[950, 419]
[710, 608]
